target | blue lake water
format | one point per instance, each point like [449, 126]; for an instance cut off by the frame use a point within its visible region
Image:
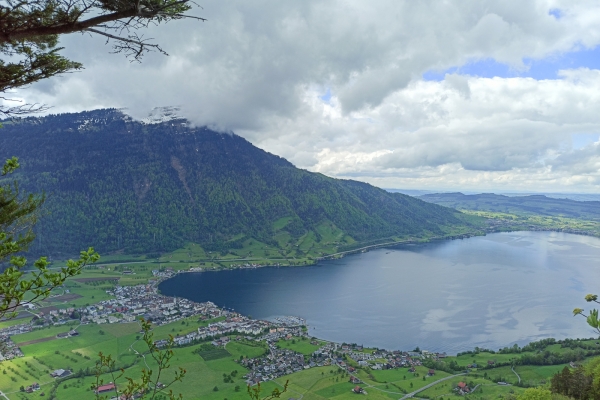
[490, 291]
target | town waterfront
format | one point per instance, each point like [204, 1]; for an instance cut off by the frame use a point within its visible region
[451, 296]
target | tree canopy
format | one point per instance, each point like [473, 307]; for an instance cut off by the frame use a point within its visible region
[30, 30]
[29, 36]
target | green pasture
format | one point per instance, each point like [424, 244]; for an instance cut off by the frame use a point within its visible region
[482, 358]
[43, 333]
[495, 391]
[397, 375]
[237, 349]
[538, 375]
[321, 383]
[300, 345]
[61, 353]
[15, 321]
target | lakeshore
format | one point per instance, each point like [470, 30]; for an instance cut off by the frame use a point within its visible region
[269, 352]
[100, 310]
[434, 295]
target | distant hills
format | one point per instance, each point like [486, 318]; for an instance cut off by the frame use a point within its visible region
[124, 185]
[520, 205]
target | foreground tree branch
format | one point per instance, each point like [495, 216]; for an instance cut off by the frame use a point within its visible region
[30, 30]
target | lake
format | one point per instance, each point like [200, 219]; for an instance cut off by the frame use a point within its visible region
[490, 291]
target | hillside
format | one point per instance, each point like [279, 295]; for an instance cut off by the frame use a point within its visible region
[123, 185]
[520, 205]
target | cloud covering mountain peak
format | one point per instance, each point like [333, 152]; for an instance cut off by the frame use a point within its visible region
[342, 88]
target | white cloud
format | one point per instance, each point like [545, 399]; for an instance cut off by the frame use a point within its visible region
[259, 68]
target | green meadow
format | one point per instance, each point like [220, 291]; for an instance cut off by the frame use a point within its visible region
[300, 345]
[121, 341]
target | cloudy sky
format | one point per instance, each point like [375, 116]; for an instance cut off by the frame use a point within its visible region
[440, 95]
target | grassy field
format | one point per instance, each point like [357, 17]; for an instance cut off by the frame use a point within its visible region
[250, 350]
[14, 321]
[301, 345]
[119, 340]
[214, 369]
[481, 359]
[548, 222]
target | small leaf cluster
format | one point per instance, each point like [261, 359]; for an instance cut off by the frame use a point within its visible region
[592, 318]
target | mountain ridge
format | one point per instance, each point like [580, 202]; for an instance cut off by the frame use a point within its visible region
[122, 185]
[526, 205]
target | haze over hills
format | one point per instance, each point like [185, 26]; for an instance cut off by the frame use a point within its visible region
[520, 205]
[125, 185]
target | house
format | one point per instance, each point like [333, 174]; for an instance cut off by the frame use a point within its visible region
[60, 373]
[490, 362]
[354, 379]
[462, 388]
[105, 388]
[358, 390]
[33, 387]
[431, 372]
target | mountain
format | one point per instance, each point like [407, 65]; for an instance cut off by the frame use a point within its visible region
[522, 205]
[139, 187]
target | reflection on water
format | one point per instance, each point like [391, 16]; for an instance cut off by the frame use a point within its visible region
[490, 291]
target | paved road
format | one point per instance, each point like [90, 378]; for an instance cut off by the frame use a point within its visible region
[409, 395]
[513, 370]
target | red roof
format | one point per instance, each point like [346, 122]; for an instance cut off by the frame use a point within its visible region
[462, 385]
[105, 388]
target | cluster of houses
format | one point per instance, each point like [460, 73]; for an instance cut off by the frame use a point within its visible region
[276, 363]
[33, 387]
[8, 348]
[462, 388]
[384, 359]
[233, 324]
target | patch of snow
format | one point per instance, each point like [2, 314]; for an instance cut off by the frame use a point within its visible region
[159, 115]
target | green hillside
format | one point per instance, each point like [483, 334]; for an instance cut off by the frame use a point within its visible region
[519, 205]
[123, 185]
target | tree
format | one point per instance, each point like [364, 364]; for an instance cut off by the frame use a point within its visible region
[29, 33]
[535, 394]
[30, 29]
[20, 284]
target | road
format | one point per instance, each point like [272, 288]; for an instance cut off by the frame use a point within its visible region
[411, 394]
[513, 370]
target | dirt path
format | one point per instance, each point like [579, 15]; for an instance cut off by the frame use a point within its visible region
[42, 340]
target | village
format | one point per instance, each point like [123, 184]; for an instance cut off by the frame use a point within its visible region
[131, 303]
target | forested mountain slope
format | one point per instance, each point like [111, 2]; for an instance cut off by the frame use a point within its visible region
[119, 184]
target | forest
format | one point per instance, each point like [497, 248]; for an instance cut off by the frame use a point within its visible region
[122, 185]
